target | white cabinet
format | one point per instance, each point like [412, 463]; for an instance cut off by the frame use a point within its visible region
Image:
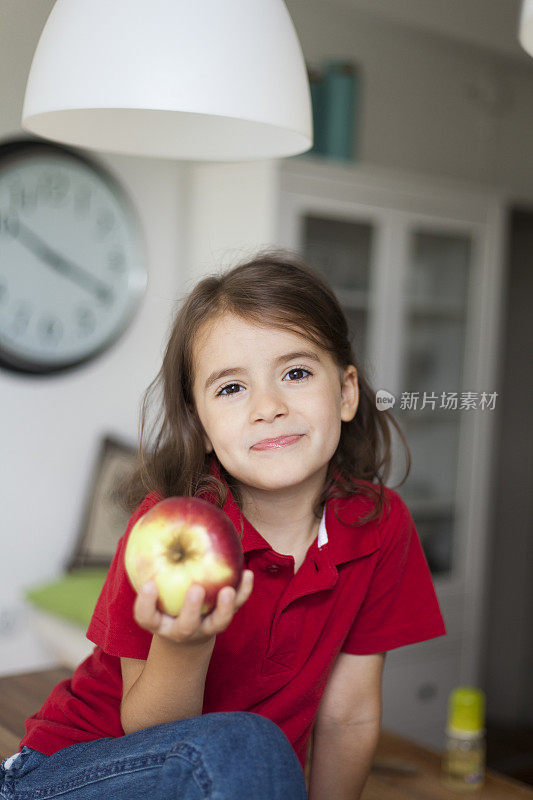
[416, 263]
[415, 698]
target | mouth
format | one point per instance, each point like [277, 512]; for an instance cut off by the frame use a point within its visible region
[280, 441]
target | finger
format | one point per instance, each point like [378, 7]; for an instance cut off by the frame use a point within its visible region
[189, 617]
[245, 587]
[168, 627]
[221, 616]
[145, 609]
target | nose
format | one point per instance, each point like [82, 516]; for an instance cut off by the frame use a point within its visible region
[267, 404]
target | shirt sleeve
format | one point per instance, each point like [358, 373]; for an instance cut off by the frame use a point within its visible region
[112, 626]
[401, 605]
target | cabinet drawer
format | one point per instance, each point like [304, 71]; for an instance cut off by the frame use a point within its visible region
[415, 698]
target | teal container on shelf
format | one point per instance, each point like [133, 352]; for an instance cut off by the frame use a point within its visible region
[341, 104]
[317, 87]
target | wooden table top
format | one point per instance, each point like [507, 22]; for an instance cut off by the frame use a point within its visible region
[426, 785]
[23, 694]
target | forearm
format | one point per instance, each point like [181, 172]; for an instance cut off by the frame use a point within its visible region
[341, 759]
[170, 687]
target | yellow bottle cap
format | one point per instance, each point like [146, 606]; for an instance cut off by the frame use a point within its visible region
[466, 710]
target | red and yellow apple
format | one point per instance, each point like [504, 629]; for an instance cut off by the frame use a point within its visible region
[180, 541]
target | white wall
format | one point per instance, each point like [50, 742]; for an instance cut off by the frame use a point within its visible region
[231, 211]
[428, 105]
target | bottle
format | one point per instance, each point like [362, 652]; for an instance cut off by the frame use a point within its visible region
[341, 106]
[463, 763]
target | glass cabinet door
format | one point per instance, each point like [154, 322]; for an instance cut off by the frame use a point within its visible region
[431, 381]
[342, 250]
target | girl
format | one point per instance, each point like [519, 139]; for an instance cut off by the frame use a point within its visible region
[265, 411]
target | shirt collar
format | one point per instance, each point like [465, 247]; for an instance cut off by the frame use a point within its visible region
[322, 532]
[337, 541]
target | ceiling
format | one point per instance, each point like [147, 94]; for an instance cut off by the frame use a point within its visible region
[484, 23]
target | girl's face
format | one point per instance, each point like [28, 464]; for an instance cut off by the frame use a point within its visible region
[256, 382]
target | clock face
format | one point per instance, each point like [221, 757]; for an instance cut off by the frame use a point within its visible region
[71, 273]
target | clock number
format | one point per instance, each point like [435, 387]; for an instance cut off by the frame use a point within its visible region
[21, 319]
[86, 321]
[82, 200]
[19, 197]
[116, 261]
[104, 223]
[105, 295]
[52, 187]
[3, 291]
[9, 223]
[51, 330]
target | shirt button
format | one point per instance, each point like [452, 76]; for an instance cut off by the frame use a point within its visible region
[273, 568]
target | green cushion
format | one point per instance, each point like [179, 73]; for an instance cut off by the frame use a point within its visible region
[73, 596]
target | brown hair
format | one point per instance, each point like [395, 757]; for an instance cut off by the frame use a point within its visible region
[275, 288]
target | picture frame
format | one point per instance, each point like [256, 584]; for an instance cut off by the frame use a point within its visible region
[104, 520]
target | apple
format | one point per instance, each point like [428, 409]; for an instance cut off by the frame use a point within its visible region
[180, 541]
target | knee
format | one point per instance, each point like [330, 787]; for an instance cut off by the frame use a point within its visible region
[247, 755]
[234, 733]
[254, 729]
[267, 764]
[256, 723]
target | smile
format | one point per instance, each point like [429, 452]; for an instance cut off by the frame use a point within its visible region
[275, 444]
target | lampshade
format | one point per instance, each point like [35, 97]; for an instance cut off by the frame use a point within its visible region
[215, 80]
[525, 28]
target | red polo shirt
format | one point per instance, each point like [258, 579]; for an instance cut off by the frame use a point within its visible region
[364, 590]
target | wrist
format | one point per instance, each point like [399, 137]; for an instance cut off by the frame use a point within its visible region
[198, 646]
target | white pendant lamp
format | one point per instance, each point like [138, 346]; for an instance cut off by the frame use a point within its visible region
[525, 28]
[213, 80]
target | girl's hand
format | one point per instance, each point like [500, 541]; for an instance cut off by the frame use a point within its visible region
[189, 627]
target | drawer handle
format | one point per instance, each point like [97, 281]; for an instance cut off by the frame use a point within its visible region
[426, 691]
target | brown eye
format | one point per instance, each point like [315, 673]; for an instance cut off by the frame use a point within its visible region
[229, 386]
[298, 369]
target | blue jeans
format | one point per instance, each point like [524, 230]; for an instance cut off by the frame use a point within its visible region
[217, 756]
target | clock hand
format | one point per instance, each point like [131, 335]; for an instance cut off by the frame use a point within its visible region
[33, 242]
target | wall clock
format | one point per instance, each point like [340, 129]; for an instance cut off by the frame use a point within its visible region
[72, 268]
